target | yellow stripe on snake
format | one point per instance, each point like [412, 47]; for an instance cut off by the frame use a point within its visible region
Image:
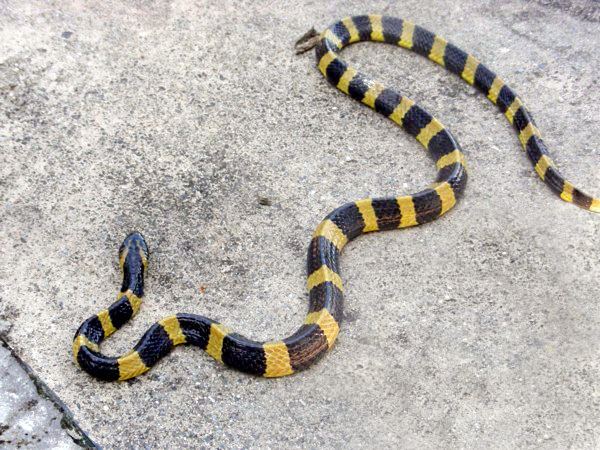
[321, 326]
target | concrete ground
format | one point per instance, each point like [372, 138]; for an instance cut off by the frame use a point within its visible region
[480, 330]
[30, 415]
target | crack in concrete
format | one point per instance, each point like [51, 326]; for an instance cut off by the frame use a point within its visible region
[67, 423]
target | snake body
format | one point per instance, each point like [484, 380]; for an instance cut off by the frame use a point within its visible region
[320, 329]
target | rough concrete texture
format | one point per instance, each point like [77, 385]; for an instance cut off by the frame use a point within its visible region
[479, 330]
[27, 419]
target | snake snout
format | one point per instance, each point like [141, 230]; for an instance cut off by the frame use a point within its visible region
[134, 246]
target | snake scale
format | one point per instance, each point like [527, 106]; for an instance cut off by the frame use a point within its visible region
[320, 329]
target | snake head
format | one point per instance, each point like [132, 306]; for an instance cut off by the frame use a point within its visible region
[133, 259]
[133, 252]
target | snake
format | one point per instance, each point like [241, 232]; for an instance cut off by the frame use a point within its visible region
[321, 326]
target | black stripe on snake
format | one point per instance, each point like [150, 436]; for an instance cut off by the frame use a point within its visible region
[320, 329]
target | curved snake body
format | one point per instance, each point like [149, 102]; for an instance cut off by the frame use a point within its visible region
[320, 329]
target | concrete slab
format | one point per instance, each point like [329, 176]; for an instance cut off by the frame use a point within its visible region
[176, 118]
[30, 415]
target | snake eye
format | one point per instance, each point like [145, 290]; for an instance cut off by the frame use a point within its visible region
[142, 249]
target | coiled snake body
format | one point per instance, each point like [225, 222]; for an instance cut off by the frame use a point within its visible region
[320, 329]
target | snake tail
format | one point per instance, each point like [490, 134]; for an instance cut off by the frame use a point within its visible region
[320, 329]
[402, 111]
